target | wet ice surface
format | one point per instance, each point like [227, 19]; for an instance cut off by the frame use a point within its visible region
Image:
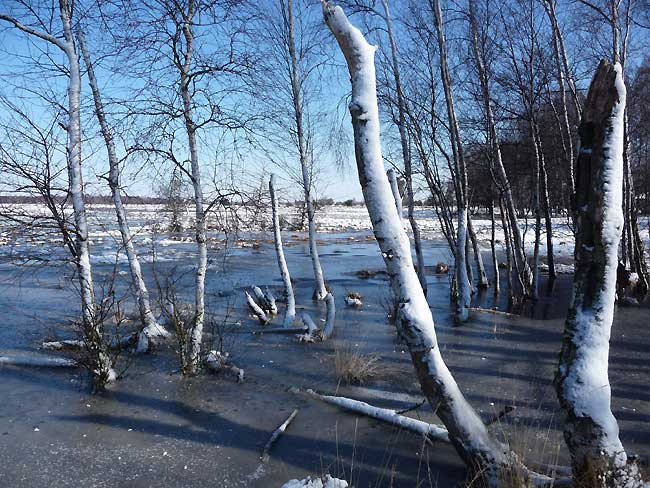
[155, 428]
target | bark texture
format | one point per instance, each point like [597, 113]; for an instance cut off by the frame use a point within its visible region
[296, 94]
[290, 313]
[591, 431]
[467, 432]
[150, 327]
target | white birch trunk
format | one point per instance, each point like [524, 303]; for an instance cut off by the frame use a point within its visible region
[462, 278]
[394, 188]
[591, 431]
[483, 281]
[196, 331]
[467, 432]
[406, 154]
[330, 318]
[151, 329]
[501, 176]
[296, 94]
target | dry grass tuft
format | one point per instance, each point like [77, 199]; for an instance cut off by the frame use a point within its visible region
[355, 368]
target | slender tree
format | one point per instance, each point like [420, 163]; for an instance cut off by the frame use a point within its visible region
[150, 327]
[483, 454]
[100, 362]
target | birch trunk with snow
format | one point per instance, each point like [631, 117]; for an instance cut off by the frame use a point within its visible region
[503, 181]
[99, 362]
[467, 432]
[483, 281]
[151, 329]
[406, 153]
[462, 281]
[296, 95]
[290, 314]
[591, 431]
[184, 66]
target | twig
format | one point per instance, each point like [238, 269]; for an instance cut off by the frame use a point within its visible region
[411, 408]
[276, 435]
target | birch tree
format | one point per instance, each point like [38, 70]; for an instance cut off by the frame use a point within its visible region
[483, 454]
[591, 431]
[296, 77]
[100, 363]
[150, 327]
[290, 313]
[499, 171]
[462, 280]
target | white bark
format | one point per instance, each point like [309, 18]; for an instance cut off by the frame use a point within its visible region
[256, 309]
[184, 66]
[462, 280]
[591, 431]
[312, 328]
[296, 94]
[467, 432]
[483, 281]
[328, 328]
[290, 314]
[431, 431]
[276, 435]
[406, 155]
[101, 366]
[394, 188]
[151, 329]
[500, 172]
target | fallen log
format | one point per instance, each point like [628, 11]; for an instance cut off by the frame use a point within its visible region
[64, 345]
[430, 431]
[276, 435]
[256, 309]
[39, 361]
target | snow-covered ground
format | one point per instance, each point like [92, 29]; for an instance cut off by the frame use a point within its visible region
[149, 224]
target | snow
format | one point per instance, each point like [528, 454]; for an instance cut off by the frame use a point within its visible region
[149, 222]
[386, 415]
[587, 386]
[38, 361]
[326, 482]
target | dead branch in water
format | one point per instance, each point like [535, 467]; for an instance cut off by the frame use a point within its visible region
[276, 435]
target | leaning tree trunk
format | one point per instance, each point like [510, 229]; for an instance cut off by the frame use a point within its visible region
[467, 432]
[290, 314]
[151, 329]
[591, 431]
[320, 292]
